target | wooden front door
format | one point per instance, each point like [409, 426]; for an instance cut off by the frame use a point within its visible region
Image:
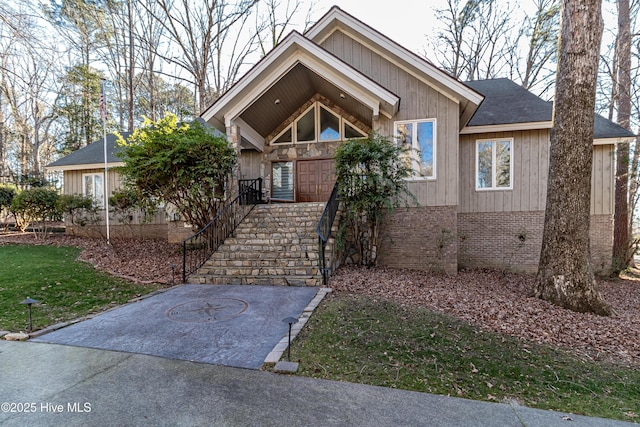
[315, 180]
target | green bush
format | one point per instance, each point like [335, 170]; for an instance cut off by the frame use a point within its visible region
[371, 176]
[35, 205]
[6, 197]
[76, 208]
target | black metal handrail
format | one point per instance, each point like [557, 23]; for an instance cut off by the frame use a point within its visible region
[324, 229]
[198, 248]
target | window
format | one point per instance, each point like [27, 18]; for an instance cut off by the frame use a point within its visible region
[329, 126]
[494, 167]
[418, 137]
[282, 180]
[306, 127]
[93, 186]
[318, 123]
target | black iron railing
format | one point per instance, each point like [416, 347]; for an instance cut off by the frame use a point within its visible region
[250, 192]
[197, 249]
[324, 230]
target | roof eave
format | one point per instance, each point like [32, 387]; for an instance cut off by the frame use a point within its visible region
[82, 166]
[506, 127]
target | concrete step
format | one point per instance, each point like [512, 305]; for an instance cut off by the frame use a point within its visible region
[259, 271]
[262, 255]
[258, 280]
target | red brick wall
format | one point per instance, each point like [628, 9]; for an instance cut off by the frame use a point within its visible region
[420, 238]
[512, 240]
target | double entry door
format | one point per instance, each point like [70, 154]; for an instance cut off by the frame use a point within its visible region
[314, 180]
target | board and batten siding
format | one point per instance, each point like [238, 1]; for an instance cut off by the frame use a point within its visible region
[73, 180]
[250, 162]
[419, 100]
[530, 170]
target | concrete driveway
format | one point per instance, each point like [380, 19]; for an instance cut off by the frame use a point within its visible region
[235, 326]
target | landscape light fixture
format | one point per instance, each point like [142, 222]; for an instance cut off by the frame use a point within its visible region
[30, 301]
[290, 321]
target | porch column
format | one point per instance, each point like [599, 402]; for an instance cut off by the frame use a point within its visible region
[233, 136]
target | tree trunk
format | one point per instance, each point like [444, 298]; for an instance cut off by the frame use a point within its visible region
[565, 276]
[621, 232]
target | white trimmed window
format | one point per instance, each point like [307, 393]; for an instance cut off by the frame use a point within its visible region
[494, 165]
[418, 138]
[318, 123]
[93, 186]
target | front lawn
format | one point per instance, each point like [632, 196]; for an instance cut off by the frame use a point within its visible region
[66, 287]
[376, 341]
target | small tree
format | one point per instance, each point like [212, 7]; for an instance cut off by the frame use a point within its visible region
[35, 205]
[77, 208]
[181, 164]
[370, 175]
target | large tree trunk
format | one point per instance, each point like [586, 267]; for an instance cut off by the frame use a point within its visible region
[621, 232]
[565, 276]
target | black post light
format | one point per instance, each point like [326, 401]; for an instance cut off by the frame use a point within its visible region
[29, 302]
[290, 321]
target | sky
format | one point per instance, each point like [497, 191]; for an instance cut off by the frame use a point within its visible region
[405, 21]
[409, 21]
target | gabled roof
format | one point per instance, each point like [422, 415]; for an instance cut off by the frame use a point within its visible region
[508, 106]
[337, 19]
[91, 156]
[303, 60]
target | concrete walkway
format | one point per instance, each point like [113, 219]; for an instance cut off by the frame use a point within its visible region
[57, 385]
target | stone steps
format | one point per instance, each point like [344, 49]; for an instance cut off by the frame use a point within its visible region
[274, 245]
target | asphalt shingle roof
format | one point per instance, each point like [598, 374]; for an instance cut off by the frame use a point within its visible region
[509, 103]
[92, 153]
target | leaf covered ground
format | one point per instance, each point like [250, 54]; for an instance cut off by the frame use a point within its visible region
[492, 300]
[502, 302]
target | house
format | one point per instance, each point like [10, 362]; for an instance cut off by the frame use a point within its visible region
[83, 174]
[482, 148]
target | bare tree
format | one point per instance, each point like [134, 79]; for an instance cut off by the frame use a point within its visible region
[541, 33]
[621, 235]
[277, 19]
[196, 31]
[565, 276]
[475, 38]
[28, 74]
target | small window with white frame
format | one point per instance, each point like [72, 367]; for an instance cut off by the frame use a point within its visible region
[418, 138]
[93, 187]
[494, 164]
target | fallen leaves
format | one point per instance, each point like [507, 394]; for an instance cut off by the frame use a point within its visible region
[501, 302]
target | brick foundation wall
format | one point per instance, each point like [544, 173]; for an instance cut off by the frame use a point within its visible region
[146, 231]
[512, 240]
[421, 238]
[601, 235]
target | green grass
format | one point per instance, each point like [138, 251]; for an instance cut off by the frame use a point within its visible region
[382, 343]
[66, 288]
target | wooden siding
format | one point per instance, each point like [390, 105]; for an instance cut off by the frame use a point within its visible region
[603, 180]
[530, 170]
[418, 101]
[250, 161]
[73, 180]
[73, 185]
